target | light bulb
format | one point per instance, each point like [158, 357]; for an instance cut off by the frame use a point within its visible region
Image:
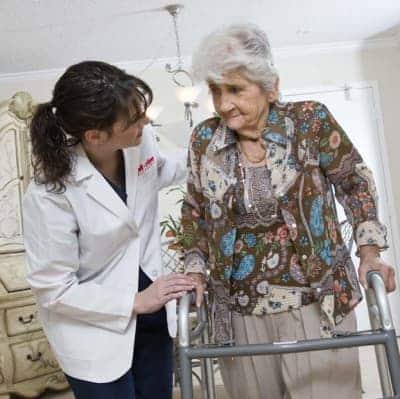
[188, 94]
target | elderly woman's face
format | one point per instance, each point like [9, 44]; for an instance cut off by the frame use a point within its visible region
[242, 104]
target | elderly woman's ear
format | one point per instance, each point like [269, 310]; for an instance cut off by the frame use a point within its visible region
[273, 94]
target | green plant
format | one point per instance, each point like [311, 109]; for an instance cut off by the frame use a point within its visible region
[171, 227]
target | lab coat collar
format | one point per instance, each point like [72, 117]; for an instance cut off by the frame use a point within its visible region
[82, 168]
[101, 191]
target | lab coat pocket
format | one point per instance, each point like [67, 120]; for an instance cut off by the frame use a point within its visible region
[72, 338]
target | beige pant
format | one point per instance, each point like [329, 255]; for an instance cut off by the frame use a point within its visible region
[331, 374]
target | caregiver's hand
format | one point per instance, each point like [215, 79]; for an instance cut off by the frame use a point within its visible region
[161, 291]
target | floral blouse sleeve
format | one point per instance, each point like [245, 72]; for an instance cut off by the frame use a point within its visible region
[194, 227]
[353, 181]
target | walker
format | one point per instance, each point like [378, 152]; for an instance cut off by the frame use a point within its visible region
[382, 336]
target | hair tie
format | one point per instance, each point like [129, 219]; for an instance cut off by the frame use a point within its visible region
[54, 110]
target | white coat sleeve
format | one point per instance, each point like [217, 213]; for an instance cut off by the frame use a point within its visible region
[171, 166]
[52, 249]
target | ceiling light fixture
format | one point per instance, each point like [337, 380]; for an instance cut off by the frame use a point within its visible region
[186, 91]
[180, 76]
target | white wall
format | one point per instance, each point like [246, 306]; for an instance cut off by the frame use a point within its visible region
[299, 70]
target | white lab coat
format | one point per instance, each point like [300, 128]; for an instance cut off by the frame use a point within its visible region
[83, 251]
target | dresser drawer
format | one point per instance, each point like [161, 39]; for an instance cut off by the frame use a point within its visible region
[33, 359]
[22, 320]
[12, 272]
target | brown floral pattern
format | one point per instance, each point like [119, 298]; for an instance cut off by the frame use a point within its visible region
[308, 154]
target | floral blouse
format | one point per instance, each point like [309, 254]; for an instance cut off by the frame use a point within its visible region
[301, 257]
[265, 277]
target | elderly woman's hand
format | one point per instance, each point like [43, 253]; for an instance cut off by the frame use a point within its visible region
[200, 286]
[370, 261]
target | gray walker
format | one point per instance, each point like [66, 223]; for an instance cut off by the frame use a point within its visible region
[382, 336]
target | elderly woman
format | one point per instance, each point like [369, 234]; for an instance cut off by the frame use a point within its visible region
[260, 215]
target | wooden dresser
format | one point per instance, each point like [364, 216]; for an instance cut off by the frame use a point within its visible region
[27, 365]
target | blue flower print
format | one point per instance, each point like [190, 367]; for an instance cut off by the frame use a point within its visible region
[272, 150]
[250, 239]
[303, 241]
[273, 117]
[276, 138]
[325, 159]
[285, 277]
[215, 211]
[202, 224]
[205, 133]
[246, 266]
[304, 127]
[212, 186]
[325, 253]
[316, 220]
[227, 243]
[320, 113]
[275, 305]
[285, 199]
[228, 272]
[291, 163]
[343, 284]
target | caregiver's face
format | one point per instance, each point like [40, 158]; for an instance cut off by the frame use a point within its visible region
[241, 103]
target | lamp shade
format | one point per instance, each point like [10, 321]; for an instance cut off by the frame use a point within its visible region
[187, 94]
[154, 111]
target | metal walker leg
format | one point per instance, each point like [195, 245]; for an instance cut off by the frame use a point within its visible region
[207, 370]
[184, 343]
[185, 337]
[380, 354]
[383, 337]
[381, 316]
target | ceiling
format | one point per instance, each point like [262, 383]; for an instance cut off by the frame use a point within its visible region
[47, 34]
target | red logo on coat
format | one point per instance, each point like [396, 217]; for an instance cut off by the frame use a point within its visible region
[144, 167]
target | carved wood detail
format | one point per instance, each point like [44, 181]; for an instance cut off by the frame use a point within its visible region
[27, 365]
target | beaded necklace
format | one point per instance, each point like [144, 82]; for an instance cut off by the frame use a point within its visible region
[248, 193]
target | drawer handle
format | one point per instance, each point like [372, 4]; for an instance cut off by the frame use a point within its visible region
[26, 320]
[36, 358]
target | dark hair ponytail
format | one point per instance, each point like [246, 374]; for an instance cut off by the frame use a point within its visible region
[89, 95]
[50, 148]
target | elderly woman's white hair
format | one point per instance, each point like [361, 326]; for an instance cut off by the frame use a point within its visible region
[241, 47]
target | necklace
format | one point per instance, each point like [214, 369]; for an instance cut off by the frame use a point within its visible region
[249, 194]
[248, 203]
[254, 160]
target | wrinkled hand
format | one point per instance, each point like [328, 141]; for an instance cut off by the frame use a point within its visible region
[161, 291]
[200, 286]
[370, 261]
